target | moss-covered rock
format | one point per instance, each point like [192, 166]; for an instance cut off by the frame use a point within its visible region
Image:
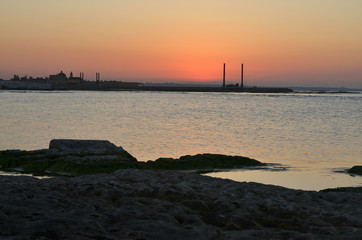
[355, 170]
[205, 162]
[43, 162]
[81, 157]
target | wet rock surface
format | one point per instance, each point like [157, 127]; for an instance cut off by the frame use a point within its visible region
[146, 204]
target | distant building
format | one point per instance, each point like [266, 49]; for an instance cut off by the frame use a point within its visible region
[57, 77]
[79, 79]
[61, 78]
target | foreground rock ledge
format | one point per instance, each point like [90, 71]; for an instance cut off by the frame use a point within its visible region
[147, 204]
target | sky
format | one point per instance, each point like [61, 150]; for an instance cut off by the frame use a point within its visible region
[316, 43]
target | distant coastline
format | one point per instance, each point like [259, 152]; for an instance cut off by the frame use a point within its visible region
[128, 86]
[160, 87]
[61, 81]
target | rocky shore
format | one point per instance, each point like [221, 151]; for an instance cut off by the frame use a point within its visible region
[71, 157]
[148, 204]
[150, 200]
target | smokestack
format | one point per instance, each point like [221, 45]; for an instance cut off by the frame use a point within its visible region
[98, 77]
[223, 77]
[242, 76]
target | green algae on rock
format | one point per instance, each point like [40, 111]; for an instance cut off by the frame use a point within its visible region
[355, 170]
[203, 162]
[82, 157]
[68, 157]
[41, 163]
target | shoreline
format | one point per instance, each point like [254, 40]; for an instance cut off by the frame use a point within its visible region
[290, 179]
[160, 203]
[70, 158]
[119, 86]
[270, 90]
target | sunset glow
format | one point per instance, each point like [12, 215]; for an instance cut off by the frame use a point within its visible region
[281, 42]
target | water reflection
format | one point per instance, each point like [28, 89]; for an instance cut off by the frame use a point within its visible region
[296, 178]
[20, 174]
[316, 131]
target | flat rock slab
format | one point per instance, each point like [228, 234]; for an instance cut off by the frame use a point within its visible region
[146, 204]
[69, 157]
[83, 146]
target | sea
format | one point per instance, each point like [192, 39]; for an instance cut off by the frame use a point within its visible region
[307, 139]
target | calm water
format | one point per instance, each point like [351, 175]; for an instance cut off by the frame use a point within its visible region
[311, 135]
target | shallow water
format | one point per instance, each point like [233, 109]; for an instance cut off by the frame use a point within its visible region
[309, 133]
[297, 178]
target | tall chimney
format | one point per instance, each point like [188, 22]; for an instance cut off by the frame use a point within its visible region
[242, 76]
[98, 77]
[223, 77]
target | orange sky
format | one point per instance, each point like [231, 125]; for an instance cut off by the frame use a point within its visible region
[281, 42]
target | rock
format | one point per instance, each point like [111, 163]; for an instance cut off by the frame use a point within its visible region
[69, 158]
[343, 189]
[203, 162]
[356, 170]
[84, 146]
[147, 204]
